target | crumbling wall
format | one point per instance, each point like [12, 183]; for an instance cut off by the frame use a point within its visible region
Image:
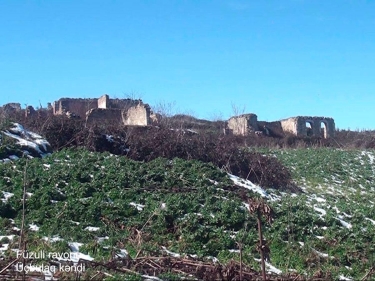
[272, 129]
[30, 111]
[155, 118]
[56, 108]
[123, 103]
[75, 106]
[103, 101]
[243, 124]
[130, 112]
[138, 115]
[104, 116]
[290, 125]
[298, 126]
[330, 128]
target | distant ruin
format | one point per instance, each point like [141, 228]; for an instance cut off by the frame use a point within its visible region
[129, 112]
[138, 115]
[300, 126]
[309, 126]
[243, 124]
[116, 111]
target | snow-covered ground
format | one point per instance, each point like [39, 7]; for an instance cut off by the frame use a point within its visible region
[27, 143]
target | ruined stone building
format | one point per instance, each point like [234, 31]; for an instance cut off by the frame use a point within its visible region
[309, 126]
[136, 115]
[300, 126]
[115, 111]
[243, 124]
[131, 112]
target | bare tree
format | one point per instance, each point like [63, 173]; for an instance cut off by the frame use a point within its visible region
[133, 95]
[164, 110]
[237, 109]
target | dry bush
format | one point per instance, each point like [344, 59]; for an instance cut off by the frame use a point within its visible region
[175, 140]
[355, 139]
[224, 152]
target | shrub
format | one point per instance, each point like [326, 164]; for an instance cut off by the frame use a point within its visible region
[148, 143]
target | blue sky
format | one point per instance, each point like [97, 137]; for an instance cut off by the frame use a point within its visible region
[276, 59]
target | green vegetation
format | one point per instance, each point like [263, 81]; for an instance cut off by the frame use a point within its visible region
[334, 216]
[170, 202]
[111, 203]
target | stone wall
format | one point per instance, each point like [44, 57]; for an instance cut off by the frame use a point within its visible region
[155, 118]
[290, 125]
[272, 128]
[56, 108]
[300, 126]
[128, 111]
[104, 116]
[138, 115]
[243, 124]
[30, 111]
[76, 106]
[103, 101]
[309, 126]
[123, 103]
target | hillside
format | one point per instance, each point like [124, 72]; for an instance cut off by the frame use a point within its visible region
[142, 215]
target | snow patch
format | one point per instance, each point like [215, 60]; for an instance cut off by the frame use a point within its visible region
[6, 195]
[123, 253]
[13, 157]
[270, 267]
[342, 277]
[369, 155]
[320, 254]
[175, 255]
[33, 227]
[27, 139]
[52, 239]
[373, 222]
[321, 211]
[248, 185]
[214, 260]
[148, 277]
[138, 206]
[76, 255]
[345, 224]
[92, 228]
[10, 237]
[109, 138]
[101, 239]
[234, 251]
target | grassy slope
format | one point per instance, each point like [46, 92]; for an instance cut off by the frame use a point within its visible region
[334, 215]
[199, 217]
